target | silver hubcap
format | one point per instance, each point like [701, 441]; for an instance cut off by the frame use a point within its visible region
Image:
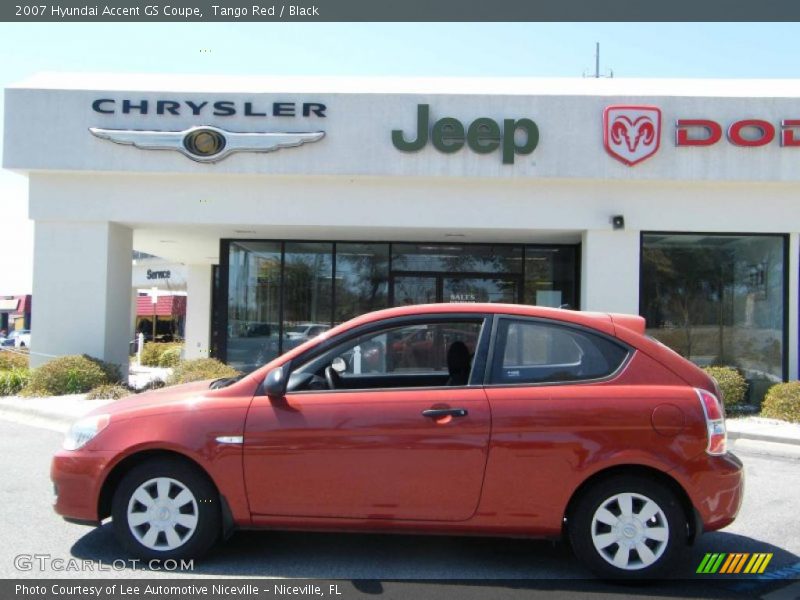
[630, 531]
[162, 514]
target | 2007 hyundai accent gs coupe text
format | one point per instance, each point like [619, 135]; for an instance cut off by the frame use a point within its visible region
[482, 419]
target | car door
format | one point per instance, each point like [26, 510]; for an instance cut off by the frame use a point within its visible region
[370, 453]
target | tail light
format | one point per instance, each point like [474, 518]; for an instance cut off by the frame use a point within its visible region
[715, 422]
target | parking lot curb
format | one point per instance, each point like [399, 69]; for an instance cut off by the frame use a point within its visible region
[29, 410]
[760, 437]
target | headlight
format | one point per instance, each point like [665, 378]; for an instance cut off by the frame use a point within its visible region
[84, 430]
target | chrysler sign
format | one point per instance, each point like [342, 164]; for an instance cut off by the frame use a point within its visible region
[206, 143]
[216, 108]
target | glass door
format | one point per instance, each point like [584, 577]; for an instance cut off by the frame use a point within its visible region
[480, 289]
[413, 288]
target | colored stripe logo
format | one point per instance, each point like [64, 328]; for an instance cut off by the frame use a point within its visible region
[734, 563]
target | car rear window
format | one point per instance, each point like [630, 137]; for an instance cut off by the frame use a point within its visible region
[529, 351]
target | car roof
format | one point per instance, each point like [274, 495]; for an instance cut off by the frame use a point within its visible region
[601, 321]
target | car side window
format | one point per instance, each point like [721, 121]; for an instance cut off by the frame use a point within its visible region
[538, 352]
[414, 355]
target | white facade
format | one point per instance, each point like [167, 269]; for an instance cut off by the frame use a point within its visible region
[94, 201]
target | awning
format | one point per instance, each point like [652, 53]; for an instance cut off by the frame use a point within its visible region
[24, 304]
[167, 306]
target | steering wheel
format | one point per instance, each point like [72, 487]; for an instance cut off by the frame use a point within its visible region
[332, 378]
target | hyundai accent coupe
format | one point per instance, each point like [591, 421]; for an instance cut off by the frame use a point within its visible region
[514, 421]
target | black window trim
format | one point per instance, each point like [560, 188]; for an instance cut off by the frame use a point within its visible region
[487, 380]
[479, 360]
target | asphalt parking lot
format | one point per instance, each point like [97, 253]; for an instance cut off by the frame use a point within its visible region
[768, 523]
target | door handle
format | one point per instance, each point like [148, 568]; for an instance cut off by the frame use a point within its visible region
[438, 413]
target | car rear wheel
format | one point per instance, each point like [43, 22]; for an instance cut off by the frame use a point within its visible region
[627, 527]
[166, 508]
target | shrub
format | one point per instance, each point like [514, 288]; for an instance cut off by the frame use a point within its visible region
[199, 369]
[108, 392]
[731, 383]
[783, 402]
[153, 352]
[170, 357]
[13, 360]
[112, 371]
[13, 381]
[66, 375]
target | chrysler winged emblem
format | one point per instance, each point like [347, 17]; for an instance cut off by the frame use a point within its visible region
[204, 143]
[631, 133]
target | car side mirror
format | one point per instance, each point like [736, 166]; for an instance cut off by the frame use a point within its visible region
[275, 382]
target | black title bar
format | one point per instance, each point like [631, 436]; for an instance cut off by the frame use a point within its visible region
[398, 10]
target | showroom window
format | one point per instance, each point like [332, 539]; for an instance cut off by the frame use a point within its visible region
[254, 299]
[275, 295]
[362, 279]
[719, 300]
[307, 292]
[551, 276]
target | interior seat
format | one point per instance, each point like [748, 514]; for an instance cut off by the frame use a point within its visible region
[458, 363]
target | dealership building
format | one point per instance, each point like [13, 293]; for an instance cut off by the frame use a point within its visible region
[297, 203]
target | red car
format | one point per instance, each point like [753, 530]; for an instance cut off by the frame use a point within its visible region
[555, 424]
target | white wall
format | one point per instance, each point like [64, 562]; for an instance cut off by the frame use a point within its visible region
[48, 129]
[472, 206]
[82, 274]
[198, 311]
[610, 271]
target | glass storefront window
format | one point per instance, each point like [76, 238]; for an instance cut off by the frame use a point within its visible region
[362, 279]
[307, 292]
[718, 300]
[254, 285]
[551, 276]
[282, 293]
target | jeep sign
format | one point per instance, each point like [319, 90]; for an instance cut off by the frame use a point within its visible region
[483, 136]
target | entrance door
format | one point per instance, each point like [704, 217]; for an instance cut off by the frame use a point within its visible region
[480, 289]
[413, 288]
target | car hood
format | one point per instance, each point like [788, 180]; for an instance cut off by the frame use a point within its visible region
[178, 397]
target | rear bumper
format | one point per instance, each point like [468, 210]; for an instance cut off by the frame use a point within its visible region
[715, 485]
[77, 477]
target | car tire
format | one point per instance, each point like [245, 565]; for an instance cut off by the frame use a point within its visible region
[166, 508]
[627, 527]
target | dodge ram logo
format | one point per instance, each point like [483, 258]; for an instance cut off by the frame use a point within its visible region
[631, 134]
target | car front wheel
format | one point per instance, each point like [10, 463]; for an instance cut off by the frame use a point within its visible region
[628, 527]
[166, 508]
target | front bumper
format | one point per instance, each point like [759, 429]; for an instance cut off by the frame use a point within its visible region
[77, 479]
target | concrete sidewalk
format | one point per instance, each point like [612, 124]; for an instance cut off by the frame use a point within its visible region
[764, 436]
[753, 434]
[55, 412]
